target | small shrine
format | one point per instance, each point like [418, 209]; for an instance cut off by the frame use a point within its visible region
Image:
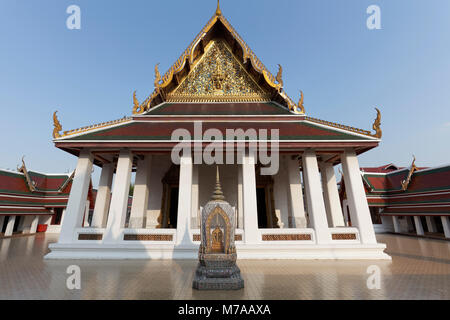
[217, 269]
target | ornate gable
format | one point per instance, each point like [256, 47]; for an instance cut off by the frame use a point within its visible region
[219, 77]
[240, 67]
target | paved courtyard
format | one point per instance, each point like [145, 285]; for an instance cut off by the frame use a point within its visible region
[420, 269]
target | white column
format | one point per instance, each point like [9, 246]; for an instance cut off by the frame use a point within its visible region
[240, 220]
[396, 224]
[103, 198]
[34, 224]
[331, 196]
[315, 202]
[139, 205]
[10, 226]
[446, 225]
[184, 201]
[431, 224]
[77, 199]
[26, 224]
[409, 224]
[359, 209]
[295, 195]
[195, 219]
[419, 227]
[250, 206]
[119, 200]
[22, 226]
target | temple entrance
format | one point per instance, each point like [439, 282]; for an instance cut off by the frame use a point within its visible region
[173, 208]
[169, 205]
[265, 201]
[262, 208]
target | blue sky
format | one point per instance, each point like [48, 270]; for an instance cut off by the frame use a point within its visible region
[324, 46]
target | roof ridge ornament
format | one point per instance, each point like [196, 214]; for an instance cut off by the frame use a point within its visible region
[405, 183]
[137, 107]
[300, 103]
[218, 11]
[377, 125]
[157, 76]
[57, 127]
[23, 169]
[279, 76]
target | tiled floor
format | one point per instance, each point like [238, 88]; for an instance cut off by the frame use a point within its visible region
[420, 269]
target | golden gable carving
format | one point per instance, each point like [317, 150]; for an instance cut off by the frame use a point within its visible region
[218, 77]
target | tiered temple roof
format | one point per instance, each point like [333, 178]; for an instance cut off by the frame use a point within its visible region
[218, 78]
[409, 191]
[31, 192]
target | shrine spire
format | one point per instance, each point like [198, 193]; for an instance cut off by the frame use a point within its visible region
[218, 11]
[218, 194]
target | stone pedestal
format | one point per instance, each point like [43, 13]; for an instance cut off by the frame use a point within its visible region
[218, 272]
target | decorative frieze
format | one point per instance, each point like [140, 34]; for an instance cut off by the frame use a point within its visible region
[148, 237]
[343, 236]
[90, 236]
[286, 237]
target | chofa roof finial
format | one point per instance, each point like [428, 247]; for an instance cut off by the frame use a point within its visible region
[218, 11]
[218, 194]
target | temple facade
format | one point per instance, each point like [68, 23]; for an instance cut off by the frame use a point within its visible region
[277, 172]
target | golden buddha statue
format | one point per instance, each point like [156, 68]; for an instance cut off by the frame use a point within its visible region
[217, 240]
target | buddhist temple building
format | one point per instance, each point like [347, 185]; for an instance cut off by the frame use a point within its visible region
[408, 200]
[218, 97]
[33, 202]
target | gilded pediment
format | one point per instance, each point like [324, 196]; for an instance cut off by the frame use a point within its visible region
[218, 76]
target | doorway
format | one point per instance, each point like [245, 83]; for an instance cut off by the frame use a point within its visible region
[173, 208]
[262, 208]
[169, 202]
[265, 201]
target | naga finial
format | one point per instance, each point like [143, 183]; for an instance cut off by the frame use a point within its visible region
[157, 76]
[57, 126]
[376, 125]
[218, 11]
[139, 108]
[279, 77]
[300, 103]
[20, 169]
[405, 183]
[136, 105]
